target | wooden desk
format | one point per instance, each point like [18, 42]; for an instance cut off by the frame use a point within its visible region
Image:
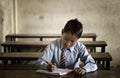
[9, 45]
[20, 55]
[18, 67]
[17, 57]
[101, 57]
[12, 37]
[98, 56]
[32, 74]
[94, 44]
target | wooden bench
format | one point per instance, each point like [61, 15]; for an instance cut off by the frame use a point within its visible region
[104, 58]
[13, 37]
[17, 67]
[98, 56]
[17, 56]
[10, 45]
[20, 55]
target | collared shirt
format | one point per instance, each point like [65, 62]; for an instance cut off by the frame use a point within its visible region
[73, 56]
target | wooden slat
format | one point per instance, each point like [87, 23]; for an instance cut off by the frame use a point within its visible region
[12, 37]
[18, 67]
[21, 55]
[45, 43]
[101, 56]
[35, 55]
[93, 44]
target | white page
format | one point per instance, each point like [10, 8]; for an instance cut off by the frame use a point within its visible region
[57, 71]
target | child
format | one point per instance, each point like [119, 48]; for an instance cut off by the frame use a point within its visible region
[68, 52]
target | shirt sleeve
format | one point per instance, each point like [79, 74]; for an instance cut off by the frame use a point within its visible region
[48, 55]
[86, 58]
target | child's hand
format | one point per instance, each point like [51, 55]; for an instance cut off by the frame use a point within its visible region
[80, 71]
[51, 67]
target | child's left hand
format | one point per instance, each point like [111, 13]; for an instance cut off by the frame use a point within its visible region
[80, 71]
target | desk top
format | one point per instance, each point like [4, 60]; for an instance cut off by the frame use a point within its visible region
[34, 55]
[21, 55]
[101, 56]
[45, 43]
[33, 74]
[84, 35]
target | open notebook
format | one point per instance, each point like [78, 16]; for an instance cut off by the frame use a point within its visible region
[57, 71]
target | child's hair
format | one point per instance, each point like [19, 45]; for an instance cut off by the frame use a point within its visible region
[73, 26]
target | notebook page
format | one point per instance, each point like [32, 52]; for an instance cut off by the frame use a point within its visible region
[57, 71]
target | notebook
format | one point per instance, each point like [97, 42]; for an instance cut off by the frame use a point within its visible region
[57, 71]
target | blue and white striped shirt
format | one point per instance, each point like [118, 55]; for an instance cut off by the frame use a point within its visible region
[73, 56]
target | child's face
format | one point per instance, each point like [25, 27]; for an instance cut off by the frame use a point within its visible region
[68, 39]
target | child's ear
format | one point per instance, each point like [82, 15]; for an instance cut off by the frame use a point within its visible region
[62, 31]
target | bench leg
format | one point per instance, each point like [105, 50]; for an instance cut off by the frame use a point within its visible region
[107, 65]
[4, 61]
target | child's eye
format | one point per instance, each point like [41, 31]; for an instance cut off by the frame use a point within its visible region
[72, 41]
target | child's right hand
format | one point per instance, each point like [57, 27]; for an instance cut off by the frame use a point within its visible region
[51, 67]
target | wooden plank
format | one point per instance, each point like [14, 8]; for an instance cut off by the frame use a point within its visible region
[101, 56]
[21, 55]
[35, 55]
[18, 67]
[45, 43]
[32, 74]
[11, 44]
[12, 37]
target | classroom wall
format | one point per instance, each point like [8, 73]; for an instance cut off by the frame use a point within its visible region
[1, 23]
[49, 16]
[5, 19]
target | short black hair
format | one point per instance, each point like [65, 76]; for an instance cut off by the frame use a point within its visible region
[73, 26]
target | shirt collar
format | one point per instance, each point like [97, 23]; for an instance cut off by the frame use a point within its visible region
[72, 48]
